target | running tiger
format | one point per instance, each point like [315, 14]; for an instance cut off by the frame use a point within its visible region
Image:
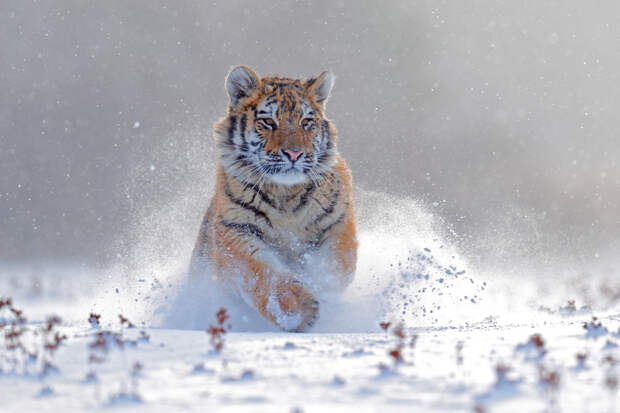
[281, 225]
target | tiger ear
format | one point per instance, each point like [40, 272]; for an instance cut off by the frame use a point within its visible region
[240, 83]
[321, 86]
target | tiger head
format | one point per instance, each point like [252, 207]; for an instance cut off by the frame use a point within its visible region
[275, 130]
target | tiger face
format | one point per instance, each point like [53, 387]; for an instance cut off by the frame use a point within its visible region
[275, 130]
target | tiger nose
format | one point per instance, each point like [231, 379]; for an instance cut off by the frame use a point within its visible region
[292, 154]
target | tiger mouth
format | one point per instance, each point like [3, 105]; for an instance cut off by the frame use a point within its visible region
[291, 170]
[287, 169]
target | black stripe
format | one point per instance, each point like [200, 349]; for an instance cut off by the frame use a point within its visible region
[303, 200]
[232, 125]
[327, 211]
[244, 205]
[320, 238]
[243, 160]
[270, 99]
[263, 196]
[244, 120]
[244, 228]
[325, 130]
[253, 196]
[323, 156]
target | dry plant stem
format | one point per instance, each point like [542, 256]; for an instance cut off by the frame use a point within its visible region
[103, 342]
[398, 331]
[51, 341]
[216, 333]
[13, 328]
[93, 319]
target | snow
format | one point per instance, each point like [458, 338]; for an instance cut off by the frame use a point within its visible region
[474, 340]
[324, 372]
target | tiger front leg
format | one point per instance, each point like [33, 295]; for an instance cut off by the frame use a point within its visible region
[266, 283]
[344, 249]
[335, 261]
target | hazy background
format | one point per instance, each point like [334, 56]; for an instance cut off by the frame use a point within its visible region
[501, 117]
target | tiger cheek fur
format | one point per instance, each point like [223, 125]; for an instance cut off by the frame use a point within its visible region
[281, 225]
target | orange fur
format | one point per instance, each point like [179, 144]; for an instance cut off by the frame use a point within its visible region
[280, 244]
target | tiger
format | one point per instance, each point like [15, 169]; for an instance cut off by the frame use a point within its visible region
[280, 227]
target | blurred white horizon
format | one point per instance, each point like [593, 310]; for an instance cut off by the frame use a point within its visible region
[503, 123]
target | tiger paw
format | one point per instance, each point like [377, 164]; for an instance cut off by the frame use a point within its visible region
[292, 307]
